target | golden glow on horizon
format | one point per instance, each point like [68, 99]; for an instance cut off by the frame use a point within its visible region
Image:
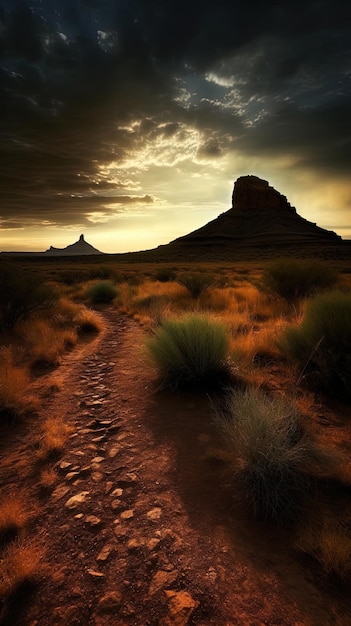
[183, 192]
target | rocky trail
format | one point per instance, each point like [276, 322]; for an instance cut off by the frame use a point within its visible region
[141, 527]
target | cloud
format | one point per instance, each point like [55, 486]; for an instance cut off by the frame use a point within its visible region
[94, 92]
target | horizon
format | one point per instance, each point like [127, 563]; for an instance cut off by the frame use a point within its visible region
[82, 236]
[131, 122]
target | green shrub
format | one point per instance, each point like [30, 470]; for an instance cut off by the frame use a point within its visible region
[270, 453]
[190, 352]
[195, 282]
[101, 292]
[165, 274]
[293, 279]
[321, 345]
[21, 294]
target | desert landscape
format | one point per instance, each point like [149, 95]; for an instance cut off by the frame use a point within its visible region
[175, 427]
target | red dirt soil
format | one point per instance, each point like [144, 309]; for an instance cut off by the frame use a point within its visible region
[156, 536]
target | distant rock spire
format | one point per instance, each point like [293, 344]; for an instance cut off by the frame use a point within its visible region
[78, 248]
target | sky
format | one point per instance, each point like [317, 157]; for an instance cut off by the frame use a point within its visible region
[130, 120]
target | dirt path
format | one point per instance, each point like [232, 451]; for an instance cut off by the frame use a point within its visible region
[141, 529]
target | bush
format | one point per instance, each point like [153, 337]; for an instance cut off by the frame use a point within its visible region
[101, 292]
[293, 279]
[195, 282]
[165, 274]
[20, 295]
[190, 352]
[322, 343]
[270, 453]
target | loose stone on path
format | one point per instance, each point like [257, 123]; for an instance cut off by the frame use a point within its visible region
[76, 500]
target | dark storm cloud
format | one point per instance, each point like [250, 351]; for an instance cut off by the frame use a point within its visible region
[263, 78]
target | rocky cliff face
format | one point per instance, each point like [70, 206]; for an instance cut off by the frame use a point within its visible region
[80, 247]
[251, 192]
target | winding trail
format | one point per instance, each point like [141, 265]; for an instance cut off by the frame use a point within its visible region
[140, 528]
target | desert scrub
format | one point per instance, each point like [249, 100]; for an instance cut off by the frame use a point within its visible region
[270, 453]
[53, 437]
[151, 309]
[190, 351]
[21, 563]
[43, 343]
[15, 400]
[14, 515]
[165, 274]
[321, 344]
[70, 315]
[195, 282]
[21, 293]
[293, 279]
[327, 539]
[101, 292]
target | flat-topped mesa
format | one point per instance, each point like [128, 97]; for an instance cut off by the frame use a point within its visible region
[251, 192]
[260, 218]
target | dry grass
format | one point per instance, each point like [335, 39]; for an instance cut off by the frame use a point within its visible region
[152, 301]
[254, 319]
[45, 343]
[53, 438]
[244, 299]
[325, 537]
[257, 344]
[70, 314]
[14, 514]
[14, 385]
[20, 563]
[44, 339]
[48, 478]
[88, 321]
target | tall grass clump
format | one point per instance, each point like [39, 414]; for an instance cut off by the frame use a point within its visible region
[20, 564]
[293, 279]
[190, 351]
[14, 514]
[101, 292]
[321, 345]
[165, 274]
[21, 293]
[53, 437]
[327, 539]
[270, 453]
[195, 282]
